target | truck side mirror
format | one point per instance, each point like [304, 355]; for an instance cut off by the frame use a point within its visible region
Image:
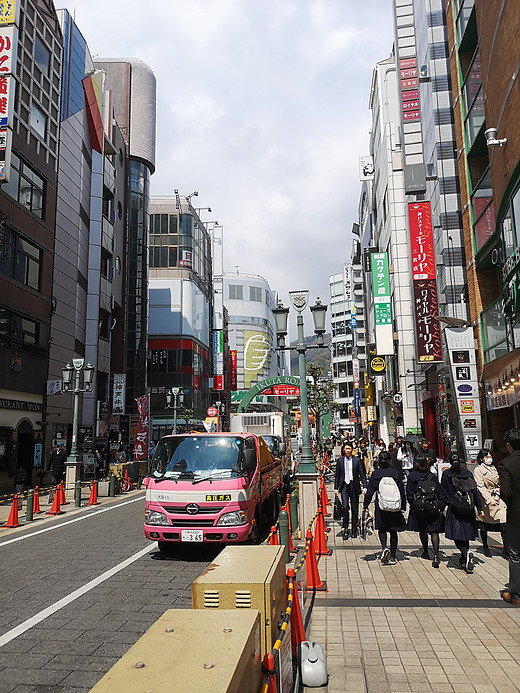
[249, 463]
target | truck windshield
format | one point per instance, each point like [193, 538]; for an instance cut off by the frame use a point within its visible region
[197, 457]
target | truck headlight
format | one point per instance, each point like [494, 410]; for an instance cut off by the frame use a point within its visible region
[237, 517]
[152, 517]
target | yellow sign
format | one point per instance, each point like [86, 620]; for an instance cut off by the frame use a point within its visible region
[257, 347]
[218, 497]
[8, 11]
[378, 364]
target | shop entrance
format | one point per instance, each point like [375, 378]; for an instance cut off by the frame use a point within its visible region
[24, 460]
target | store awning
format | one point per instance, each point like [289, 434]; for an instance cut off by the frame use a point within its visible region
[496, 368]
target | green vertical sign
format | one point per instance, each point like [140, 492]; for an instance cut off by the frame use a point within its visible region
[381, 285]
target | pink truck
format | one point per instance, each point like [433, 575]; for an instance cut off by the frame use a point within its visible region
[210, 487]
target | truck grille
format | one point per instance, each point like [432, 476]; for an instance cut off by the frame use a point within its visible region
[192, 523]
[181, 510]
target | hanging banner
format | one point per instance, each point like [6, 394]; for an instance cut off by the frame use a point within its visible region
[347, 282]
[142, 437]
[382, 303]
[233, 369]
[426, 307]
[118, 393]
[257, 347]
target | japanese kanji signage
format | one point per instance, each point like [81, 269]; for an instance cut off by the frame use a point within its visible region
[118, 393]
[426, 308]
[233, 369]
[8, 48]
[142, 438]
[382, 304]
[9, 11]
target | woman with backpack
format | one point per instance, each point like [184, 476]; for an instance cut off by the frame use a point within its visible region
[459, 493]
[493, 518]
[423, 494]
[390, 503]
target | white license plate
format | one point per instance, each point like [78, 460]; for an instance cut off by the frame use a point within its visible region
[192, 535]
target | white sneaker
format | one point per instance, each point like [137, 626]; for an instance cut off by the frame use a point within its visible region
[392, 561]
[385, 555]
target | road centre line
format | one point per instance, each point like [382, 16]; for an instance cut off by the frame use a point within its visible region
[69, 522]
[38, 618]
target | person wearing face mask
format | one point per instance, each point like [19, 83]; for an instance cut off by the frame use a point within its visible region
[493, 515]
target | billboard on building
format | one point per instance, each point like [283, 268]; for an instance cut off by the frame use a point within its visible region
[233, 369]
[257, 347]
[382, 304]
[426, 307]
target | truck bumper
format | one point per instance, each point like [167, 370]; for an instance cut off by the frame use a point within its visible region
[227, 535]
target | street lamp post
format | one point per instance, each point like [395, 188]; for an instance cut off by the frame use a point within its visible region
[74, 459]
[307, 475]
[174, 394]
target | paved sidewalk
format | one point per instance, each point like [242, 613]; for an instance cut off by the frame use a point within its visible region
[411, 627]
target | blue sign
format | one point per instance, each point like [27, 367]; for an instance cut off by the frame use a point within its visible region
[38, 455]
[357, 401]
[353, 323]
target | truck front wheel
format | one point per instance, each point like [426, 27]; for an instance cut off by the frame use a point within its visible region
[254, 534]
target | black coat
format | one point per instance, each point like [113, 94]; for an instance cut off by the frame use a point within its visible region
[509, 473]
[359, 478]
[456, 527]
[417, 523]
[58, 460]
[385, 519]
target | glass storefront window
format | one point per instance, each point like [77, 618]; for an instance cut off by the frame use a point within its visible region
[494, 331]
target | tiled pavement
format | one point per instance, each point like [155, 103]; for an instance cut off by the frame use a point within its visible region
[411, 627]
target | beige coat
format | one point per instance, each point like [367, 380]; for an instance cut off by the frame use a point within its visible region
[488, 484]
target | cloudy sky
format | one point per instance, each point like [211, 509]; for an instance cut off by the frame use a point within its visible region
[262, 107]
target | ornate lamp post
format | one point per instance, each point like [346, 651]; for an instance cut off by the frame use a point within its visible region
[74, 459]
[174, 394]
[307, 475]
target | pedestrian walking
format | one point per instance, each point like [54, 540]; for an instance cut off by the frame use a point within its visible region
[426, 450]
[378, 448]
[396, 463]
[425, 517]
[493, 518]
[349, 482]
[387, 486]
[58, 461]
[509, 473]
[406, 456]
[459, 494]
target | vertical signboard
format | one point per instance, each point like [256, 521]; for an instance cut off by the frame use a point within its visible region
[347, 282]
[257, 346]
[142, 437]
[218, 360]
[426, 308]
[9, 14]
[461, 349]
[118, 393]
[233, 369]
[382, 303]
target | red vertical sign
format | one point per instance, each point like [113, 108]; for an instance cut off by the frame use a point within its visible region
[233, 369]
[142, 438]
[426, 308]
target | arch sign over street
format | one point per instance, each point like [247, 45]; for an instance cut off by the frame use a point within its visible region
[265, 385]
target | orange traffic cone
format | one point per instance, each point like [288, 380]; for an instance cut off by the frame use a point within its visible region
[297, 629]
[323, 502]
[128, 480]
[291, 545]
[55, 508]
[36, 502]
[12, 520]
[61, 491]
[320, 545]
[314, 582]
[327, 501]
[269, 675]
[93, 495]
[273, 541]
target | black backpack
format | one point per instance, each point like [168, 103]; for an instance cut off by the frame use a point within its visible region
[462, 501]
[425, 497]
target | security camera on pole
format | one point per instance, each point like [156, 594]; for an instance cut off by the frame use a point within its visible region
[307, 475]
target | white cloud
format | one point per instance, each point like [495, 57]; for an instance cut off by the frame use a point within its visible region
[262, 108]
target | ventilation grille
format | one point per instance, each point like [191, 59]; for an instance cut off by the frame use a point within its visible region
[256, 419]
[211, 599]
[243, 599]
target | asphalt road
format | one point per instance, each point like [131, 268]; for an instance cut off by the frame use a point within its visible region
[73, 631]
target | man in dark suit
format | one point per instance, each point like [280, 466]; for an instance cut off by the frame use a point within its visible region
[509, 473]
[350, 479]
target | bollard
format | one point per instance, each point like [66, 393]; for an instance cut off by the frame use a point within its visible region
[30, 501]
[283, 524]
[77, 494]
[139, 482]
[112, 488]
[293, 509]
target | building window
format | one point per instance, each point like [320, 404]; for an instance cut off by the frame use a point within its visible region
[236, 292]
[38, 121]
[25, 186]
[17, 330]
[19, 259]
[42, 56]
[255, 294]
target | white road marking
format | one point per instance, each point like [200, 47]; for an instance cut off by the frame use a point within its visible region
[38, 618]
[90, 514]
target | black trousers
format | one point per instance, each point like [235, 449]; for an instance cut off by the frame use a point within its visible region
[350, 499]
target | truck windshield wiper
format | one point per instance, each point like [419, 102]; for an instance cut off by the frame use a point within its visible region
[182, 475]
[209, 477]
